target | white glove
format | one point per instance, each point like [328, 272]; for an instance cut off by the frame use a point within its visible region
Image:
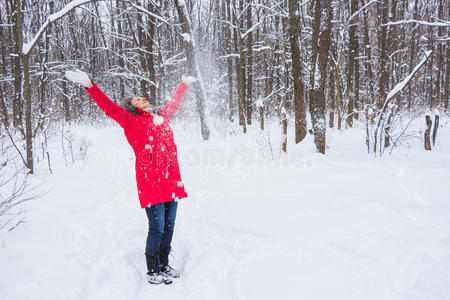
[79, 76]
[188, 79]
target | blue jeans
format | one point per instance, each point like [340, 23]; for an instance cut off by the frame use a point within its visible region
[161, 221]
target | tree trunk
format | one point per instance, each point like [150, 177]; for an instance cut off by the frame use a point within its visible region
[149, 55]
[190, 50]
[435, 128]
[384, 75]
[27, 96]
[3, 109]
[142, 40]
[447, 75]
[427, 133]
[331, 94]
[355, 48]
[337, 77]
[229, 44]
[412, 51]
[120, 51]
[299, 101]
[368, 75]
[249, 101]
[440, 64]
[241, 71]
[18, 41]
[317, 105]
[351, 65]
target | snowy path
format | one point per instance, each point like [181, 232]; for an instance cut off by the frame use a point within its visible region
[344, 226]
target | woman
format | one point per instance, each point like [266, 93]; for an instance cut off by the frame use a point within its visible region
[157, 172]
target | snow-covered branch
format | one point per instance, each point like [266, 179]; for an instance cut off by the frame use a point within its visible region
[153, 15]
[342, 36]
[134, 76]
[229, 55]
[174, 59]
[251, 29]
[399, 86]
[227, 22]
[401, 22]
[26, 48]
[360, 10]
[273, 9]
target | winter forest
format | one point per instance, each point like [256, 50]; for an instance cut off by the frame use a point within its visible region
[313, 145]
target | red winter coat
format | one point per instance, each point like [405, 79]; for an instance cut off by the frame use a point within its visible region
[157, 171]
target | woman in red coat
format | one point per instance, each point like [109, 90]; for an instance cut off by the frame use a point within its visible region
[158, 177]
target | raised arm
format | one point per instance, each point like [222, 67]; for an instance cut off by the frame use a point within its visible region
[169, 110]
[174, 104]
[110, 108]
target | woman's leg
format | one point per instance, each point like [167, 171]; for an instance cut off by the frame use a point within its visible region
[169, 223]
[155, 215]
[170, 209]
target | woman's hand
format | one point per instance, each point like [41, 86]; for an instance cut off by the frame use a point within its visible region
[80, 77]
[188, 79]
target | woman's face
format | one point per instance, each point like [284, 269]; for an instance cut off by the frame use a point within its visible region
[140, 102]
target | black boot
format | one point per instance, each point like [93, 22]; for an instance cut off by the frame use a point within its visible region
[165, 268]
[154, 276]
[164, 256]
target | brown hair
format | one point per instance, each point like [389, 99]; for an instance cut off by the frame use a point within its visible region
[128, 106]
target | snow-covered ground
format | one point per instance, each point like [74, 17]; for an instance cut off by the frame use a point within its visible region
[346, 225]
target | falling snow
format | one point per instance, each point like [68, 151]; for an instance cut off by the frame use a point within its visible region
[186, 37]
[158, 120]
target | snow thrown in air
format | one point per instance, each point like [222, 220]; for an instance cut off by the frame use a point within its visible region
[186, 37]
[158, 120]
